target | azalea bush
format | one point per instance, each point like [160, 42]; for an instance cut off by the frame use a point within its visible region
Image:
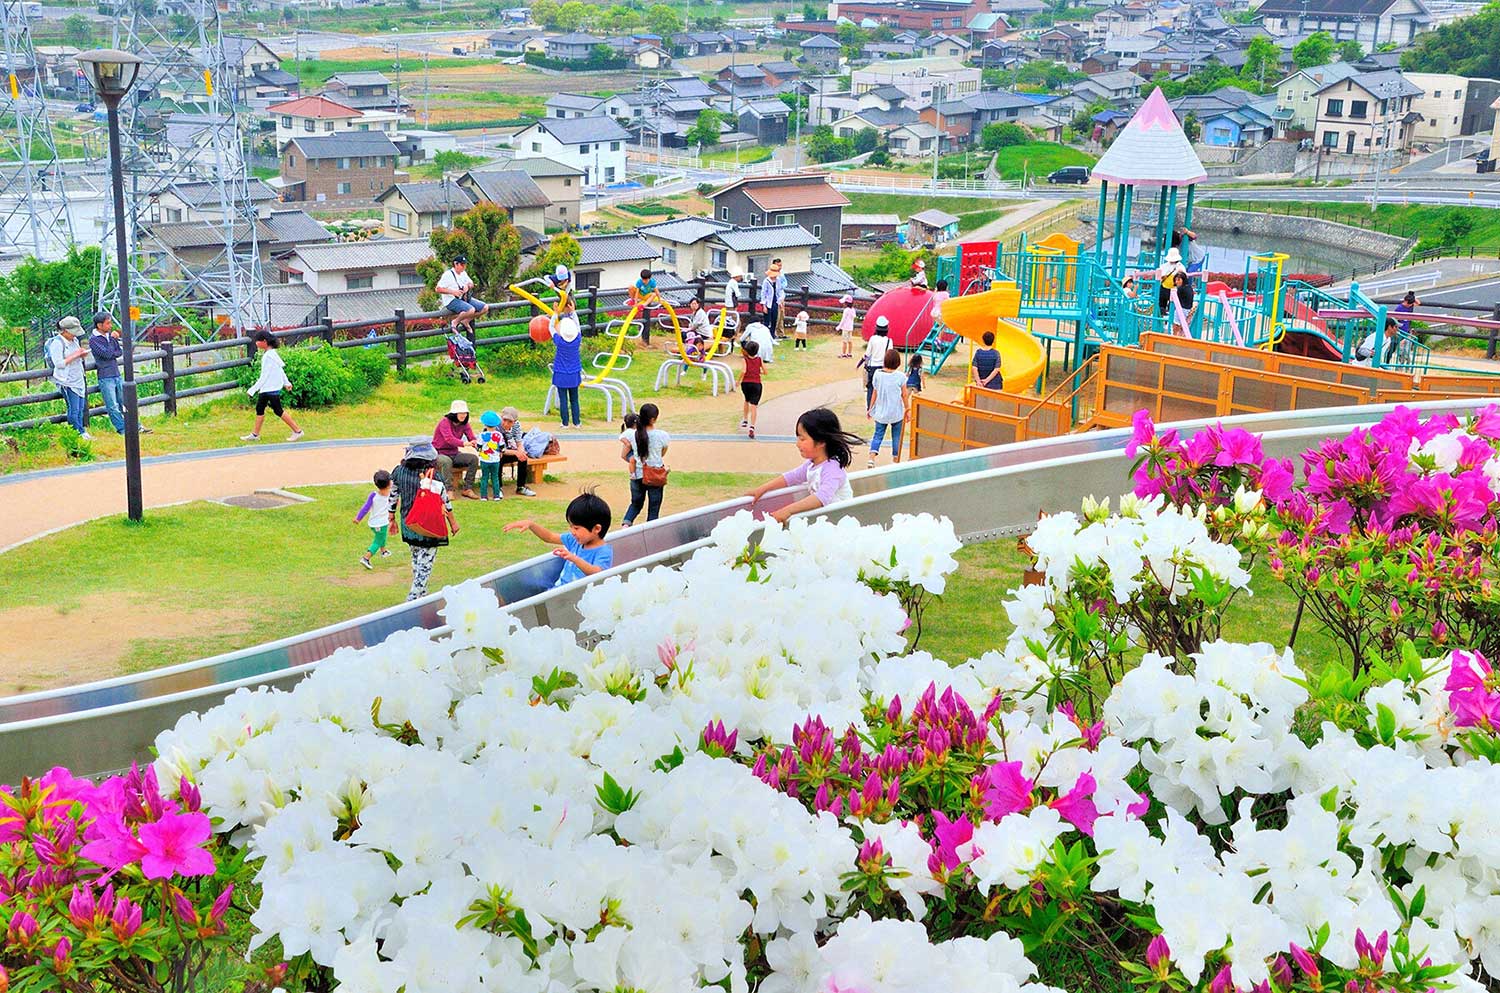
[113, 887]
[1389, 535]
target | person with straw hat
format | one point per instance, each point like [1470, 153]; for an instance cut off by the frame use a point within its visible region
[450, 438]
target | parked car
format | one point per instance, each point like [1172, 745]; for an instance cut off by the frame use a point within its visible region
[1070, 174]
[84, 108]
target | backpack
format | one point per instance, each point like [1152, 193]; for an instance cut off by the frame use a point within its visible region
[47, 354]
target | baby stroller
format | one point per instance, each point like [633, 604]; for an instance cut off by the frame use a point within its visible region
[461, 353]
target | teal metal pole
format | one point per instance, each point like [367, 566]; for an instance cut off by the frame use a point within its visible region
[1116, 264]
[1187, 211]
[1099, 228]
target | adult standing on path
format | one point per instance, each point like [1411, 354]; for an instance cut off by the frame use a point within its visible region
[567, 364]
[644, 451]
[268, 386]
[773, 296]
[107, 350]
[874, 357]
[65, 353]
[452, 435]
[417, 470]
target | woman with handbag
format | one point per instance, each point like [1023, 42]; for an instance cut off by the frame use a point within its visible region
[425, 511]
[644, 450]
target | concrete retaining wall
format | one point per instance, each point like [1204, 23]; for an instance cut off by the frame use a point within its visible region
[1273, 227]
[1272, 157]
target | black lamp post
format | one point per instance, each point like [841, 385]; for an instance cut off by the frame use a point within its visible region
[112, 73]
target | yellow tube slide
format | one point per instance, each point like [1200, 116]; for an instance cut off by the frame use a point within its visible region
[1021, 357]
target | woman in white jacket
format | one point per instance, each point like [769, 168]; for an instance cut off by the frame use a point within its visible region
[267, 389]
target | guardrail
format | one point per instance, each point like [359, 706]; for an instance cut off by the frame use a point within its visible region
[991, 493]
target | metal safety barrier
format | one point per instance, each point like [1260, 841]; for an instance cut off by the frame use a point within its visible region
[987, 493]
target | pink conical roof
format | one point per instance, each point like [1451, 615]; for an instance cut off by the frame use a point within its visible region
[1151, 150]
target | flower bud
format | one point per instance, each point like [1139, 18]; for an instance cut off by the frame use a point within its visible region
[1159, 956]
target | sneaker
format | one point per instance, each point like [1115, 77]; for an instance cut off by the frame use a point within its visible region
[870, 464]
[294, 436]
[752, 432]
[85, 436]
[385, 553]
[144, 430]
[498, 496]
[744, 424]
[366, 563]
[249, 437]
[526, 491]
[469, 495]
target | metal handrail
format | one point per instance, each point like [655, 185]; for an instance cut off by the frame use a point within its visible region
[988, 492]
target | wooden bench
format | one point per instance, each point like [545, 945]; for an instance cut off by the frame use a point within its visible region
[535, 468]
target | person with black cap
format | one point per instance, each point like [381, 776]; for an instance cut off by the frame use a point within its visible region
[105, 344]
[458, 286]
[418, 470]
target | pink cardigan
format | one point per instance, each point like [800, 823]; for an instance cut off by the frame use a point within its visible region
[447, 438]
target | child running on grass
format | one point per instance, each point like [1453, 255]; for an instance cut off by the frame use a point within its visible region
[377, 514]
[750, 385]
[827, 451]
[583, 547]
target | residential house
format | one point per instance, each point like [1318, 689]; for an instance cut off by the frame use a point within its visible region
[1230, 125]
[183, 250]
[883, 97]
[365, 91]
[1372, 23]
[1176, 57]
[766, 120]
[320, 115]
[871, 227]
[781, 73]
[1452, 106]
[1016, 11]
[378, 264]
[931, 227]
[643, 50]
[1099, 62]
[944, 46]
[1367, 114]
[688, 88]
[412, 210]
[1375, 61]
[572, 47]
[199, 201]
[740, 40]
[513, 190]
[1298, 91]
[564, 105]
[922, 80]
[560, 183]
[612, 261]
[999, 55]
[512, 41]
[913, 141]
[954, 118]
[917, 15]
[1063, 43]
[877, 50]
[691, 246]
[337, 168]
[988, 26]
[1123, 20]
[1117, 88]
[693, 43]
[742, 76]
[1107, 124]
[821, 54]
[807, 199]
[883, 121]
[255, 71]
[1129, 48]
[595, 145]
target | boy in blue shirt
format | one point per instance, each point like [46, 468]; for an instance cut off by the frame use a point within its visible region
[583, 547]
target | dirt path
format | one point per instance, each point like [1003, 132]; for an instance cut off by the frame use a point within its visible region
[1011, 220]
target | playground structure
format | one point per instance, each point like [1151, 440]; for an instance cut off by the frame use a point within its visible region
[1271, 343]
[704, 358]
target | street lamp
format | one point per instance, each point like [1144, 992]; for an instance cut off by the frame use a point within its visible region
[112, 73]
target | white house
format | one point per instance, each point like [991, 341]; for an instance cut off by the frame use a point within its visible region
[319, 115]
[594, 145]
[382, 264]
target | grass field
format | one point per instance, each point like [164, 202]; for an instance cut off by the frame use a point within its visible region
[1464, 227]
[292, 568]
[316, 72]
[747, 156]
[1038, 158]
[907, 204]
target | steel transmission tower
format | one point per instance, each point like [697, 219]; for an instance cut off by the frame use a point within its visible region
[197, 149]
[34, 213]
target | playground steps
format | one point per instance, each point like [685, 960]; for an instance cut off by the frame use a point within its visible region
[936, 347]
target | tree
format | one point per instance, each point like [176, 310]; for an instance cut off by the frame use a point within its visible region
[180, 25]
[866, 140]
[1314, 50]
[544, 12]
[824, 146]
[1262, 63]
[705, 131]
[810, 13]
[413, 5]
[1349, 50]
[1469, 46]
[453, 160]
[853, 38]
[663, 20]
[1002, 134]
[485, 235]
[563, 249]
[879, 157]
[571, 15]
[1191, 128]
[35, 286]
[78, 31]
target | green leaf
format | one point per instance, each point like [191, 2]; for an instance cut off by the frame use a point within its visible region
[613, 798]
[1418, 901]
[670, 761]
[1385, 723]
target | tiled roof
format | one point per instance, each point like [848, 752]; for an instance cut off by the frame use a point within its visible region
[819, 41]
[278, 77]
[1385, 84]
[295, 227]
[509, 188]
[1327, 8]
[579, 130]
[431, 198]
[886, 91]
[745, 72]
[371, 101]
[685, 230]
[575, 38]
[540, 168]
[1151, 150]
[574, 101]
[766, 108]
[202, 234]
[764, 238]
[376, 253]
[319, 106]
[997, 100]
[788, 192]
[372, 305]
[871, 220]
[825, 279]
[602, 248]
[935, 218]
[781, 68]
[893, 118]
[206, 194]
[346, 143]
[1324, 74]
[360, 78]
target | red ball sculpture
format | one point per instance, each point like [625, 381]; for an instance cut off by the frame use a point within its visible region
[909, 311]
[540, 328]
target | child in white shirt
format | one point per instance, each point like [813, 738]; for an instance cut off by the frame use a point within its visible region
[799, 332]
[846, 328]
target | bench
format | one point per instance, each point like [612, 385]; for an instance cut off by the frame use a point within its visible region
[536, 467]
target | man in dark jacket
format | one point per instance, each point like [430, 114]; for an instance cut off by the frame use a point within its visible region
[105, 345]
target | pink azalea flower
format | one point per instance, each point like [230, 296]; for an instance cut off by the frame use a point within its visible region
[1007, 790]
[1222, 982]
[113, 846]
[173, 846]
[1142, 431]
[1141, 807]
[949, 835]
[1077, 806]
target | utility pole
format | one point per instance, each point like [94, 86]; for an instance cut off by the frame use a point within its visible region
[398, 75]
[426, 93]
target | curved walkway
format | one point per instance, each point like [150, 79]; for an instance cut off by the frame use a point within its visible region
[54, 499]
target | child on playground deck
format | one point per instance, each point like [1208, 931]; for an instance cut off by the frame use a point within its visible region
[583, 547]
[491, 443]
[377, 514]
[750, 384]
[827, 451]
[846, 328]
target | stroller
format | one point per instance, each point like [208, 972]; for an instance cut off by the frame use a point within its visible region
[461, 353]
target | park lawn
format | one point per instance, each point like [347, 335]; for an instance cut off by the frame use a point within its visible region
[907, 204]
[223, 578]
[1036, 159]
[969, 619]
[747, 156]
[1436, 225]
[408, 409]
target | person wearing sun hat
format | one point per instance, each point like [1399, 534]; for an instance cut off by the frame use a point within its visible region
[773, 297]
[418, 470]
[450, 438]
[567, 363]
[846, 327]
[1173, 280]
[919, 275]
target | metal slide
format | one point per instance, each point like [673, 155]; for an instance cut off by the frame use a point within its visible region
[988, 493]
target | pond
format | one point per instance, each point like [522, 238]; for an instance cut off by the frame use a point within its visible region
[1230, 252]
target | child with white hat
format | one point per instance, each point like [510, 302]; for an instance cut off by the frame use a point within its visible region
[846, 327]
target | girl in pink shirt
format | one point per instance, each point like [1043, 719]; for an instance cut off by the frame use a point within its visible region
[823, 476]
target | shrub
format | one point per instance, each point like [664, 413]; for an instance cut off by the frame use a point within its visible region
[370, 364]
[319, 378]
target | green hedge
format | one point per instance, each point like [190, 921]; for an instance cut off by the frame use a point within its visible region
[321, 376]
